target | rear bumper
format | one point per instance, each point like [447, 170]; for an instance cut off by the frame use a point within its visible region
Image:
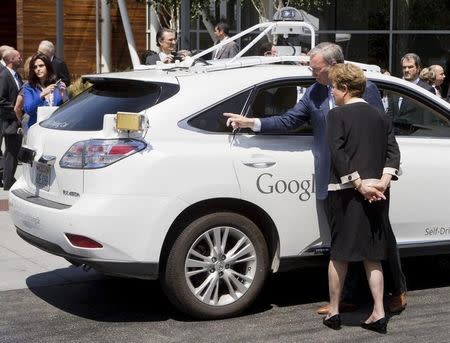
[128, 269]
[131, 229]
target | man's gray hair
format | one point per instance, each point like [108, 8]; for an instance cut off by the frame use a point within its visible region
[9, 55]
[47, 48]
[3, 49]
[332, 53]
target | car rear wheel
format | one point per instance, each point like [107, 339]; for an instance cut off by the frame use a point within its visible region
[217, 266]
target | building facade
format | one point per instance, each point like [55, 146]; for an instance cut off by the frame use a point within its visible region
[370, 31]
[377, 32]
[24, 23]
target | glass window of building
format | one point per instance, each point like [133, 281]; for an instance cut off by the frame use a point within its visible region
[421, 15]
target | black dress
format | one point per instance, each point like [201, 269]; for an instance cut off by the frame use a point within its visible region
[363, 145]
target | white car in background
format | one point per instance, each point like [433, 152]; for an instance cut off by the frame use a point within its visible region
[168, 191]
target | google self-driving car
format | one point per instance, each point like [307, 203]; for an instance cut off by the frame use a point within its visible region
[139, 176]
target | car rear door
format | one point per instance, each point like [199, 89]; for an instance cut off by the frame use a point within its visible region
[419, 210]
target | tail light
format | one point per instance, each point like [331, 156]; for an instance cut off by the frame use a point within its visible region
[83, 242]
[99, 153]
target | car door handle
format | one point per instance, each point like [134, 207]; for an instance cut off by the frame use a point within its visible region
[259, 164]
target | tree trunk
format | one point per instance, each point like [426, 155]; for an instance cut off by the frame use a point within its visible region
[208, 24]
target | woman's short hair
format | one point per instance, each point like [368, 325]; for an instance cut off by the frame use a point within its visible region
[348, 75]
[429, 74]
[32, 77]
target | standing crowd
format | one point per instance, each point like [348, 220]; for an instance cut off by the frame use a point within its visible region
[23, 99]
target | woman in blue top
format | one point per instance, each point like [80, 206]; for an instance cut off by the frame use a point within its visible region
[42, 88]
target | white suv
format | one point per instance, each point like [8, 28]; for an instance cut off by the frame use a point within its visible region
[208, 211]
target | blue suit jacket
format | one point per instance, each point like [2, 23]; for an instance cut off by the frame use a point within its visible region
[32, 100]
[314, 106]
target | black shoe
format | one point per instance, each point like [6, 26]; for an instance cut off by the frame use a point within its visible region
[333, 322]
[379, 326]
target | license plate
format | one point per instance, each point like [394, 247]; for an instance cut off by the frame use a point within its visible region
[43, 172]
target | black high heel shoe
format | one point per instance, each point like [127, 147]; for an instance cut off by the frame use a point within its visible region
[333, 322]
[379, 326]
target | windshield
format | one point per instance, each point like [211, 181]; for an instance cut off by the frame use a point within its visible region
[85, 112]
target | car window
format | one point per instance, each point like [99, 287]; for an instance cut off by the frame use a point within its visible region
[85, 112]
[412, 117]
[212, 118]
[275, 100]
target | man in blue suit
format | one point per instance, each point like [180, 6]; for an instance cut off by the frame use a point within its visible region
[314, 107]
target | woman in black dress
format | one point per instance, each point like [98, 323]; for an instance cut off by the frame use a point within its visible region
[365, 157]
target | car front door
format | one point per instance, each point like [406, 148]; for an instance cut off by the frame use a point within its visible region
[276, 171]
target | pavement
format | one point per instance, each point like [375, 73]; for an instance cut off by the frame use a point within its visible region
[24, 266]
[43, 298]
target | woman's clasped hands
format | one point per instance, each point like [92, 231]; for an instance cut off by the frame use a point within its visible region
[375, 192]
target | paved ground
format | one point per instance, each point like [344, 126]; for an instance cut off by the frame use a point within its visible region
[24, 266]
[44, 299]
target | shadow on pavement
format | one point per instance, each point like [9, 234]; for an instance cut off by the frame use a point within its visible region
[109, 300]
[132, 300]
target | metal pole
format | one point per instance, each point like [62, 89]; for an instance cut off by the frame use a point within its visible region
[391, 36]
[60, 28]
[128, 33]
[106, 38]
[185, 24]
[147, 25]
[97, 38]
[154, 25]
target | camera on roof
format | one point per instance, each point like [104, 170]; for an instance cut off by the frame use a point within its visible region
[288, 14]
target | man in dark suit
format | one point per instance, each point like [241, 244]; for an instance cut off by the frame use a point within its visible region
[59, 66]
[166, 41]
[405, 111]
[314, 106]
[411, 67]
[221, 31]
[3, 49]
[10, 84]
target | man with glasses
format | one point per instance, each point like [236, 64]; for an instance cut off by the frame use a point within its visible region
[166, 41]
[314, 106]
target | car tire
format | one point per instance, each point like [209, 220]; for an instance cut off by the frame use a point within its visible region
[217, 266]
